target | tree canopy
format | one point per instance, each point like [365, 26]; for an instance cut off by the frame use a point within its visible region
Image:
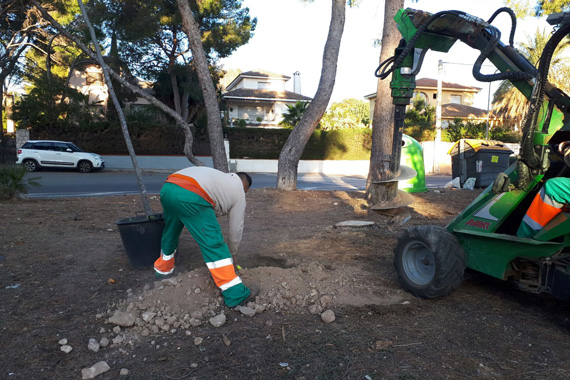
[510, 102]
[350, 113]
[537, 7]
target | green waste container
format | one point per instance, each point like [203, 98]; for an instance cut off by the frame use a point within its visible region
[479, 159]
[413, 157]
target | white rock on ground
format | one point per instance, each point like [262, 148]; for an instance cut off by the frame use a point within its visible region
[247, 311]
[66, 348]
[93, 345]
[122, 318]
[328, 316]
[95, 370]
[218, 320]
[124, 372]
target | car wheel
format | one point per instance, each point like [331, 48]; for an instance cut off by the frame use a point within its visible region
[31, 165]
[429, 261]
[85, 166]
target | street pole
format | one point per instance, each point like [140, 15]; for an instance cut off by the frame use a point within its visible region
[488, 112]
[437, 141]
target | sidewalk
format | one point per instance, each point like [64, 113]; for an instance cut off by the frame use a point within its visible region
[174, 163]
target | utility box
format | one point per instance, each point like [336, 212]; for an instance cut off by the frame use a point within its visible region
[413, 157]
[479, 159]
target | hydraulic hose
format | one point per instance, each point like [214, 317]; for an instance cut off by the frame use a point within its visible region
[529, 156]
[513, 21]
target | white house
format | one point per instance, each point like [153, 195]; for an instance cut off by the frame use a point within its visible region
[88, 79]
[457, 100]
[260, 98]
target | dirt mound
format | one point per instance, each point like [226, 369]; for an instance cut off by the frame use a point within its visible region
[191, 299]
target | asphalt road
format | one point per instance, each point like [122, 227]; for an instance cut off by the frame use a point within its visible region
[64, 183]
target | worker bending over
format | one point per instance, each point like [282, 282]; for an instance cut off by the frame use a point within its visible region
[193, 197]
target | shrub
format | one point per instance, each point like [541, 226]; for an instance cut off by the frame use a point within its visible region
[261, 143]
[12, 182]
[420, 119]
[505, 134]
[458, 129]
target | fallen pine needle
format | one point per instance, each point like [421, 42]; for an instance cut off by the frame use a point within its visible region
[408, 344]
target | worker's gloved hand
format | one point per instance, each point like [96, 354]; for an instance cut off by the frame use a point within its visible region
[236, 265]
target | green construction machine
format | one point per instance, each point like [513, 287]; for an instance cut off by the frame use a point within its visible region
[430, 261]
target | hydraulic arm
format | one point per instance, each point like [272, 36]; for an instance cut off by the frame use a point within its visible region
[548, 109]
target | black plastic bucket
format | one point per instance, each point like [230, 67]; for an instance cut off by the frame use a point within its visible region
[141, 238]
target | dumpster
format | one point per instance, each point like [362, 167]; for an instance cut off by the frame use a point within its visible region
[479, 159]
[413, 157]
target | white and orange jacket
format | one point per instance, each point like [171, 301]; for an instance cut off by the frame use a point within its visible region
[224, 191]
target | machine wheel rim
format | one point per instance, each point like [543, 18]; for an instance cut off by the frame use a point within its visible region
[418, 263]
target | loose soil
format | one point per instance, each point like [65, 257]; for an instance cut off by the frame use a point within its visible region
[64, 274]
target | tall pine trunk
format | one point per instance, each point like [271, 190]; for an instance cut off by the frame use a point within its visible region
[215, 132]
[383, 118]
[295, 144]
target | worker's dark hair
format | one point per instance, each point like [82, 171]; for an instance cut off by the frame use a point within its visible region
[245, 176]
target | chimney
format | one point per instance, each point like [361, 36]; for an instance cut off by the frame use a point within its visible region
[297, 82]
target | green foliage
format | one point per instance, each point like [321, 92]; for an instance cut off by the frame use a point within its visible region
[350, 113]
[261, 143]
[419, 122]
[505, 134]
[525, 8]
[241, 123]
[294, 113]
[106, 137]
[460, 129]
[50, 102]
[12, 181]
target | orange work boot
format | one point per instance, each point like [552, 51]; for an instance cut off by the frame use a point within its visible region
[164, 265]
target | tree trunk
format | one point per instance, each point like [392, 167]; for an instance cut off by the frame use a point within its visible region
[136, 89]
[175, 92]
[381, 158]
[144, 198]
[2, 148]
[293, 148]
[215, 132]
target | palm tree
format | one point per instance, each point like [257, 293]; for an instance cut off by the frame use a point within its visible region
[294, 113]
[510, 102]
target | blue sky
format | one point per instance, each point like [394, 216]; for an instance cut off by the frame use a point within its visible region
[291, 34]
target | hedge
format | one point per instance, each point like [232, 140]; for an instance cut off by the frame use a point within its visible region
[167, 139]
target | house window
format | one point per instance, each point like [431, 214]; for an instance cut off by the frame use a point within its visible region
[456, 99]
[263, 85]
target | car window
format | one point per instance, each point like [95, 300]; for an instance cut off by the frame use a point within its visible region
[42, 146]
[28, 145]
[74, 148]
[61, 147]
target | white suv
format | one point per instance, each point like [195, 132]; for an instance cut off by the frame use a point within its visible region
[35, 154]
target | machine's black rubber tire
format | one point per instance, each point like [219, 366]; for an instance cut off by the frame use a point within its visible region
[429, 261]
[85, 167]
[31, 165]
